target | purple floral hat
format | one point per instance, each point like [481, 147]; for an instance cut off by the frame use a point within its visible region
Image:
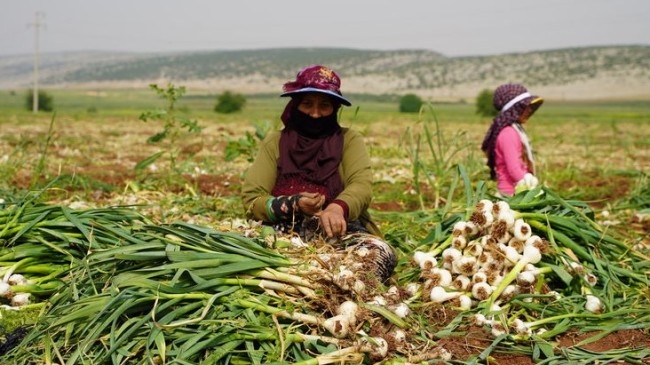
[316, 78]
[515, 97]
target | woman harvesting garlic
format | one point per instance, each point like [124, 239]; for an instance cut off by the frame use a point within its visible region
[506, 145]
[316, 173]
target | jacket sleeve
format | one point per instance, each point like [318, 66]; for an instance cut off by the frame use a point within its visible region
[509, 143]
[356, 173]
[260, 178]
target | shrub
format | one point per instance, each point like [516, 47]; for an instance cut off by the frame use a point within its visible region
[229, 102]
[45, 101]
[410, 103]
[485, 105]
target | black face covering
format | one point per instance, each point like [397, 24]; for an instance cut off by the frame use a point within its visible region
[310, 127]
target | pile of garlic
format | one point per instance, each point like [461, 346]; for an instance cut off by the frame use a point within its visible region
[483, 251]
[489, 259]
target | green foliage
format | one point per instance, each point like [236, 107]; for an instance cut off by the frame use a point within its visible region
[173, 126]
[410, 103]
[229, 102]
[433, 153]
[484, 104]
[45, 101]
[247, 145]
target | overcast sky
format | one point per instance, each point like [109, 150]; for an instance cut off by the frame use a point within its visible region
[452, 27]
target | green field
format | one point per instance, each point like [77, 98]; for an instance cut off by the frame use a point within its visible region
[593, 157]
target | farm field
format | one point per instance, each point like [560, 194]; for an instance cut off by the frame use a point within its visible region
[429, 171]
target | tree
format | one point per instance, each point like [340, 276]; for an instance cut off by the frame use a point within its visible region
[45, 101]
[410, 103]
[229, 102]
[485, 105]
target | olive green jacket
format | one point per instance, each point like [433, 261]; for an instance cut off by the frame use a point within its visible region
[354, 169]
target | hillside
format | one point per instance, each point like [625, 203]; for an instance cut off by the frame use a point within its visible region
[576, 73]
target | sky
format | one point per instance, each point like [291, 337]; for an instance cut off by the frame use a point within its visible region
[451, 27]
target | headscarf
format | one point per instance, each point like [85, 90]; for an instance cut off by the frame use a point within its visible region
[510, 100]
[311, 149]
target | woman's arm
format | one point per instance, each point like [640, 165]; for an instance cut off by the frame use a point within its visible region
[260, 178]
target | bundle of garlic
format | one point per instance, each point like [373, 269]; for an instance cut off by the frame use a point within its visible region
[483, 258]
[508, 263]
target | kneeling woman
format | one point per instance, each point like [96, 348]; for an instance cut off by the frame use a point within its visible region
[313, 170]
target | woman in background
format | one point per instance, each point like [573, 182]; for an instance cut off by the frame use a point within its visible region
[506, 144]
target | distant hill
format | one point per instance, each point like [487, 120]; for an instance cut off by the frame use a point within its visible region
[574, 73]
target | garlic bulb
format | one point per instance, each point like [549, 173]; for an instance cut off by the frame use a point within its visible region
[479, 319]
[339, 326]
[20, 299]
[479, 277]
[440, 295]
[473, 248]
[17, 279]
[525, 279]
[349, 309]
[398, 335]
[449, 255]
[591, 279]
[497, 329]
[461, 283]
[471, 228]
[521, 327]
[440, 277]
[464, 302]
[508, 293]
[481, 291]
[378, 300]
[402, 310]
[412, 289]
[594, 305]
[459, 242]
[377, 346]
[466, 265]
[425, 260]
[459, 228]
[522, 230]
[5, 290]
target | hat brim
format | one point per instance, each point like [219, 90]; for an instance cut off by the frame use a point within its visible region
[338, 97]
[534, 103]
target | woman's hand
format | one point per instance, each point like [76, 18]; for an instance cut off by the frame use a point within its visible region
[333, 221]
[311, 203]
